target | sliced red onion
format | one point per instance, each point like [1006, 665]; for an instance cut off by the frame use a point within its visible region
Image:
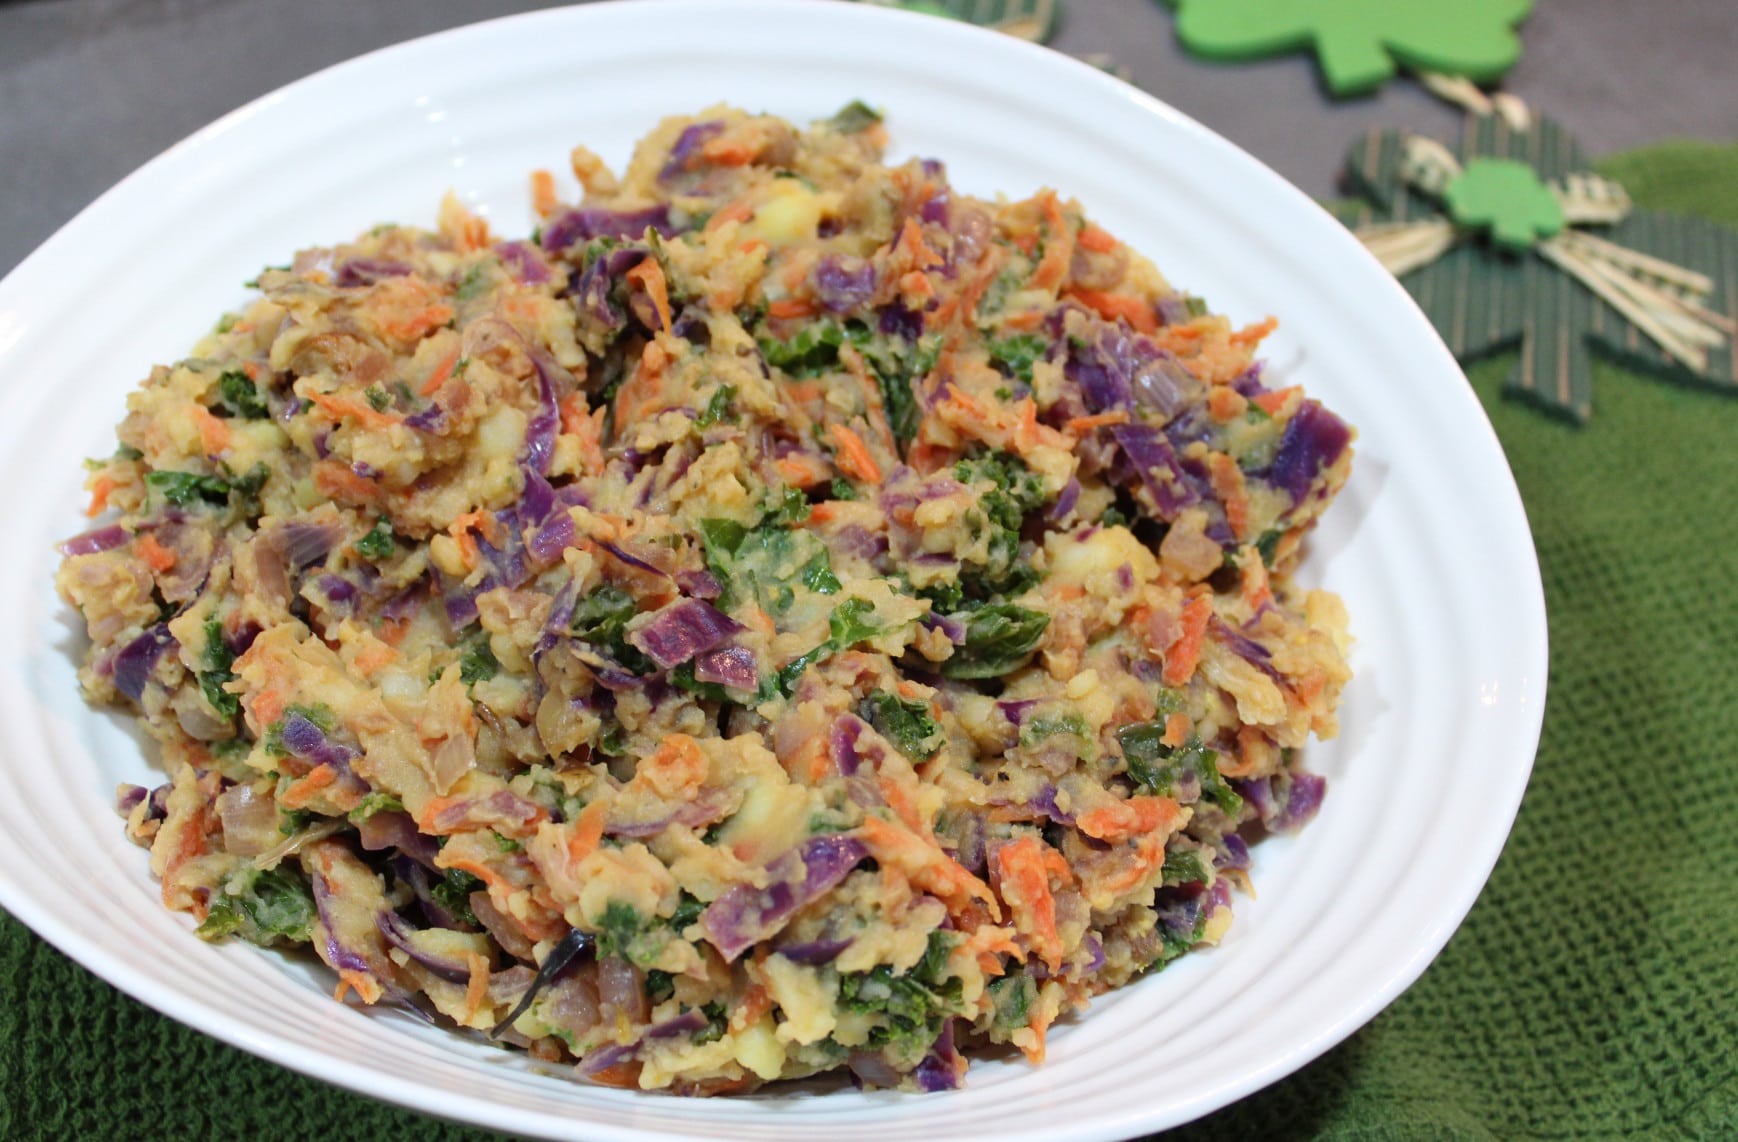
[1065, 501]
[133, 665]
[540, 431]
[708, 806]
[842, 744]
[690, 1022]
[843, 282]
[560, 956]
[1170, 486]
[551, 539]
[91, 542]
[1095, 949]
[593, 291]
[855, 539]
[942, 1067]
[1045, 804]
[402, 936]
[681, 630]
[308, 742]
[813, 952]
[305, 542]
[1163, 385]
[1232, 853]
[898, 321]
[734, 667]
[1313, 440]
[1243, 646]
[432, 419]
[524, 262]
[631, 560]
[744, 915]
[701, 584]
[337, 589]
[1015, 710]
[393, 829]
[871, 1070]
[501, 927]
[340, 957]
[366, 271]
[1303, 799]
[954, 629]
[687, 146]
[128, 797]
[583, 223]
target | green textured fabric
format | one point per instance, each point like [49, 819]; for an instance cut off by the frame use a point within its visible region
[1593, 991]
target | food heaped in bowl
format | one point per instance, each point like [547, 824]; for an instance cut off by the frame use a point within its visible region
[785, 616]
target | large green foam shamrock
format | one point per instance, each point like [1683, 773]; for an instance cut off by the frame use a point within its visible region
[1033, 20]
[1484, 298]
[1360, 43]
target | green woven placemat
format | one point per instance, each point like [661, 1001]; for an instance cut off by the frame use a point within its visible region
[1590, 993]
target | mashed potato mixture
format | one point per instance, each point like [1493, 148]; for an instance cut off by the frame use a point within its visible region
[786, 615]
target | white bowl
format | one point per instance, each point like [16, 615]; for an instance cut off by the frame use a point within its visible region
[1428, 544]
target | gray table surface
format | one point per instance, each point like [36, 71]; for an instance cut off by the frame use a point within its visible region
[90, 89]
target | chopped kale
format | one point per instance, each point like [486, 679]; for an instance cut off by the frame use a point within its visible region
[478, 662]
[1160, 768]
[912, 1007]
[1016, 355]
[185, 489]
[262, 907]
[1184, 866]
[1013, 996]
[718, 409]
[240, 396]
[852, 622]
[378, 543]
[453, 893]
[855, 117]
[601, 619]
[908, 725]
[218, 659]
[999, 639]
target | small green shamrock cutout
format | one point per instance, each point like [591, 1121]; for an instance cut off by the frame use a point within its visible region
[1360, 43]
[1506, 197]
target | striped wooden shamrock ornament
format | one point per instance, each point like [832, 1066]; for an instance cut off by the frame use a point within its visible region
[1510, 241]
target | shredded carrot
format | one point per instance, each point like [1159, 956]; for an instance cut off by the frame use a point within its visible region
[1026, 319]
[1232, 490]
[622, 1076]
[1058, 245]
[1080, 425]
[649, 276]
[800, 470]
[1110, 306]
[268, 707]
[824, 512]
[728, 151]
[675, 769]
[341, 406]
[1272, 402]
[101, 488]
[1253, 334]
[213, 432]
[299, 792]
[367, 988]
[477, 988]
[1178, 726]
[790, 307]
[374, 657]
[914, 250]
[926, 865]
[439, 376]
[587, 831]
[755, 1002]
[899, 799]
[1096, 239]
[739, 211]
[1121, 820]
[1181, 658]
[854, 459]
[543, 198]
[155, 555]
[1024, 883]
[1253, 581]
[966, 403]
[1226, 403]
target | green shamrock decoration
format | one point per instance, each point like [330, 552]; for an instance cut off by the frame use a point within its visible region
[1359, 44]
[1506, 197]
[1656, 292]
